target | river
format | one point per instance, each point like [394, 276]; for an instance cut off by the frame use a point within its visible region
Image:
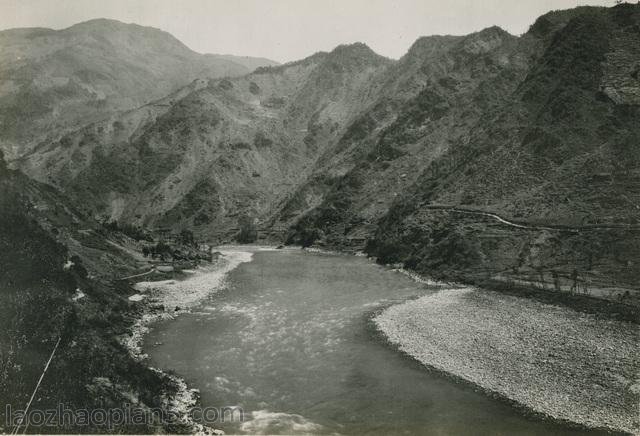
[289, 339]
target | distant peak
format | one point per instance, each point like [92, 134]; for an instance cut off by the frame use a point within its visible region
[356, 47]
[486, 40]
[353, 46]
[494, 30]
[108, 24]
[356, 51]
[99, 22]
[490, 32]
[426, 45]
[314, 58]
[552, 21]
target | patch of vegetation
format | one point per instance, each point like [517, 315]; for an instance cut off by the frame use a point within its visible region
[186, 237]
[274, 102]
[359, 129]
[225, 84]
[3, 165]
[248, 231]
[132, 231]
[442, 250]
[254, 88]
[187, 117]
[240, 146]
[573, 60]
[333, 211]
[262, 141]
[201, 203]
[108, 172]
[161, 250]
[40, 302]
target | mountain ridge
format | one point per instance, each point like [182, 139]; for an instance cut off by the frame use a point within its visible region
[53, 80]
[347, 148]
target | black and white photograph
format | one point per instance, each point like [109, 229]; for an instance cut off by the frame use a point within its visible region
[320, 217]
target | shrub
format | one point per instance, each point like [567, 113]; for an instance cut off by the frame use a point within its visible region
[161, 250]
[132, 231]
[3, 165]
[248, 232]
[186, 237]
[261, 140]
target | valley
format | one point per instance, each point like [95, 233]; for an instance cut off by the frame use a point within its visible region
[503, 169]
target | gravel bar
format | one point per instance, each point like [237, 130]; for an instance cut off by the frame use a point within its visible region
[555, 361]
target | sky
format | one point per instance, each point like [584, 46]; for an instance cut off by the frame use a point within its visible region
[286, 30]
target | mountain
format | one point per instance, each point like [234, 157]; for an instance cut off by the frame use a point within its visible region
[216, 150]
[543, 135]
[428, 103]
[62, 290]
[249, 62]
[53, 80]
[484, 158]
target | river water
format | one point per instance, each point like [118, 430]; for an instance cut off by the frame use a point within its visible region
[289, 339]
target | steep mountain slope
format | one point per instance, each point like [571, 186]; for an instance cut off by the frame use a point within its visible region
[427, 104]
[479, 157]
[56, 287]
[251, 63]
[53, 80]
[216, 150]
[561, 150]
[569, 132]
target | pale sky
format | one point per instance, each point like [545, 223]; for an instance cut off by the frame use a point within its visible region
[286, 30]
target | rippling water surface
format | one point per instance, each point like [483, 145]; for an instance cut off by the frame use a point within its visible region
[289, 340]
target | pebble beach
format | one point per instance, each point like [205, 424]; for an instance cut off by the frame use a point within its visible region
[552, 360]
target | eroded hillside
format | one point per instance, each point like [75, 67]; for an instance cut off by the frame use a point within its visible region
[410, 158]
[55, 80]
[216, 150]
[57, 292]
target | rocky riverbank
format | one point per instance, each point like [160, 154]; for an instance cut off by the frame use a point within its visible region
[165, 299]
[555, 361]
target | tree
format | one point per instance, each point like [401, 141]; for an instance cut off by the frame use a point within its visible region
[161, 250]
[3, 165]
[248, 232]
[186, 237]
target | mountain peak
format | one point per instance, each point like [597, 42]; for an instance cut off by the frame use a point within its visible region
[550, 22]
[355, 46]
[357, 52]
[428, 45]
[486, 40]
[103, 24]
[359, 49]
[493, 30]
[108, 25]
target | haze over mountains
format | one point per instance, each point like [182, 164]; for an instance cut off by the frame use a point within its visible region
[348, 148]
[51, 80]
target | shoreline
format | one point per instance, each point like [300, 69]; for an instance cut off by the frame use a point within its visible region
[524, 409]
[413, 327]
[167, 299]
[633, 387]
[166, 292]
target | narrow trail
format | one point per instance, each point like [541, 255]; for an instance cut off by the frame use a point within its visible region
[528, 226]
[153, 269]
